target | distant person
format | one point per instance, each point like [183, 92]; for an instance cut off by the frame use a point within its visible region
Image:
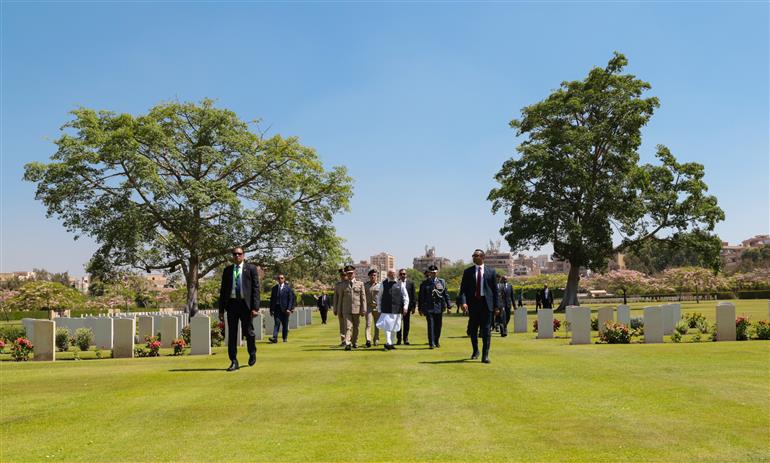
[478, 293]
[506, 291]
[547, 297]
[409, 286]
[340, 317]
[392, 304]
[282, 302]
[239, 297]
[538, 299]
[372, 315]
[521, 297]
[350, 301]
[323, 306]
[434, 299]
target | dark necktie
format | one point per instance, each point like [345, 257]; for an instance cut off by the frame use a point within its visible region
[237, 282]
[478, 282]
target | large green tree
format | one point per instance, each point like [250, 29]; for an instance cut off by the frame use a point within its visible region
[578, 183]
[697, 248]
[177, 188]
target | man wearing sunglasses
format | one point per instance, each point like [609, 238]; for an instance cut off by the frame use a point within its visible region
[239, 297]
[409, 286]
[479, 298]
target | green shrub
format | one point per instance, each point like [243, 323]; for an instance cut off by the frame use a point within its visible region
[762, 329]
[21, 349]
[682, 326]
[62, 339]
[84, 337]
[217, 332]
[695, 337]
[676, 336]
[186, 331]
[594, 323]
[703, 326]
[694, 318]
[11, 333]
[637, 322]
[615, 333]
[742, 324]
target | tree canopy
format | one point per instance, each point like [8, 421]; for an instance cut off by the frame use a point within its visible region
[178, 187]
[578, 184]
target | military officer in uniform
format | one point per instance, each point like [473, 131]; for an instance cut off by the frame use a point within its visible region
[350, 301]
[434, 299]
[372, 288]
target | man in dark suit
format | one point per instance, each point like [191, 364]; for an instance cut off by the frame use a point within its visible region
[409, 285]
[506, 293]
[239, 297]
[282, 301]
[547, 297]
[479, 298]
[434, 299]
[323, 306]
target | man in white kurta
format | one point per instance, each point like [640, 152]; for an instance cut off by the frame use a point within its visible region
[392, 304]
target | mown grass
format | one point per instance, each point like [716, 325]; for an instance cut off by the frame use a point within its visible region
[540, 400]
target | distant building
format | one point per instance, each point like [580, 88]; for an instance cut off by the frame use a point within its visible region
[497, 259]
[362, 270]
[756, 241]
[525, 266]
[542, 260]
[383, 262]
[423, 262]
[731, 255]
[556, 266]
[157, 281]
[23, 276]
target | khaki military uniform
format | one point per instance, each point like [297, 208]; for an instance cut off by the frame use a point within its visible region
[372, 291]
[350, 301]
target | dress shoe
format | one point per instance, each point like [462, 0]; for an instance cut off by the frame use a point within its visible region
[504, 335]
[348, 347]
[233, 366]
[386, 346]
[438, 345]
[284, 340]
[342, 344]
[406, 343]
[475, 355]
[252, 359]
[393, 347]
[272, 340]
[368, 344]
[485, 360]
[376, 342]
[398, 342]
[430, 346]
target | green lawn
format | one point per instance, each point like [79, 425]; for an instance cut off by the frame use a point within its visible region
[539, 400]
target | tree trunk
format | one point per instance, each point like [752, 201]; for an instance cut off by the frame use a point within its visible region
[625, 301]
[570, 292]
[191, 278]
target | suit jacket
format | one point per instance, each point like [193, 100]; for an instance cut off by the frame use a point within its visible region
[488, 279]
[282, 300]
[547, 299]
[506, 291]
[349, 298]
[429, 303]
[409, 284]
[249, 287]
[323, 302]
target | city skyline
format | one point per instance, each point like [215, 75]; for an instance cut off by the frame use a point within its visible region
[429, 89]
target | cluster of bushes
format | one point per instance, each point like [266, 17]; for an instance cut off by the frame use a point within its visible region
[151, 347]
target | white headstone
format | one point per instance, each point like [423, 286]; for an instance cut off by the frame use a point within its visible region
[653, 324]
[146, 327]
[668, 319]
[29, 327]
[300, 312]
[545, 324]
[269, 322]
[581, 325]
[294, 320]
[169, 330]
[123, 342]
[726, 322]
[200, 335]
[520, 320]
[259, 333]
[103, 331]
[676, 314]
[605, 314]
[43, 340]
[568, 317]
[308, 316]
[624, 314]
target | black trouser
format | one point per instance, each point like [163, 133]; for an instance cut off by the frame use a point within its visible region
[281, 321]
[404, 327]
[503, 321]
[434, 327]
[507, 317]
[237, 311]
[323, 313]
[480, 324]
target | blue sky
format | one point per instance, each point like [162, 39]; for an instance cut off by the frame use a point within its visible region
[414, 99]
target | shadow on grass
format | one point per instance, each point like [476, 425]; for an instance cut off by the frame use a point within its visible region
[177, 370]
[440, 362]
